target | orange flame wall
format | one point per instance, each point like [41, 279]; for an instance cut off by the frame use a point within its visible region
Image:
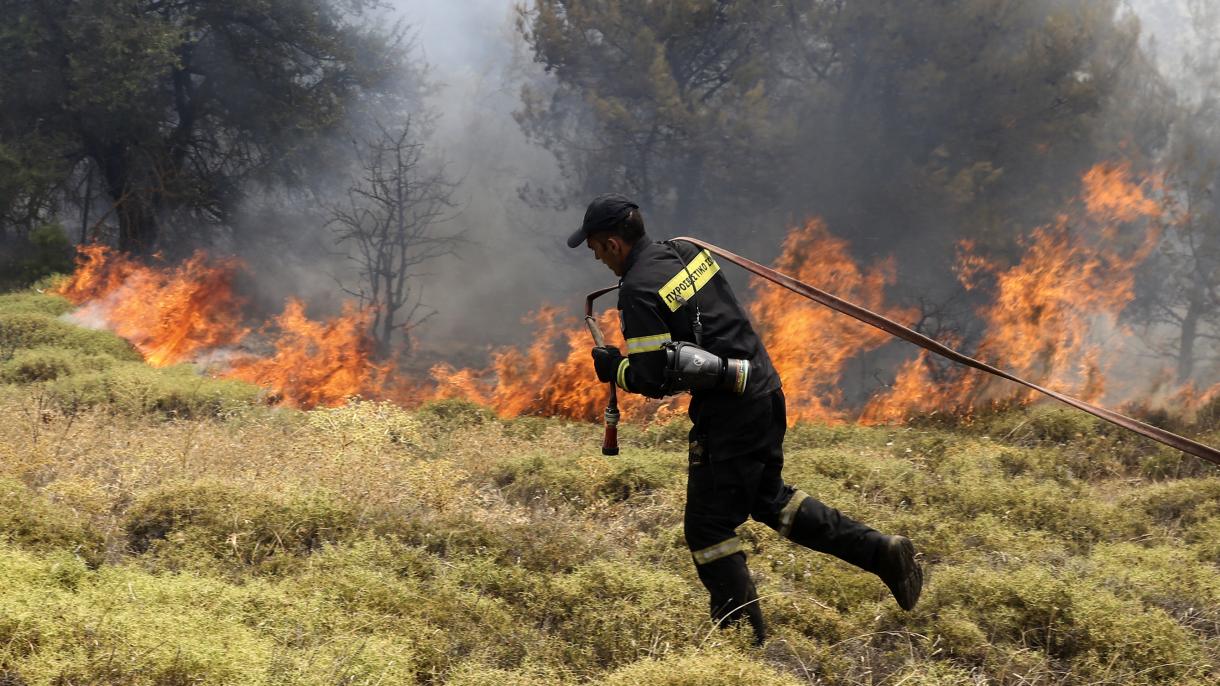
[1047, 313]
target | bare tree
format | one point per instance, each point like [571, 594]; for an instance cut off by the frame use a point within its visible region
[390, 222]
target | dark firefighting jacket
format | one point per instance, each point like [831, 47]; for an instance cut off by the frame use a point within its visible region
[666, 292]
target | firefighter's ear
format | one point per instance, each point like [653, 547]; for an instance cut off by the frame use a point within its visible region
[620, 246]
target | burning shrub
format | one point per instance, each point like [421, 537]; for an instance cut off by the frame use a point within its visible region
[30, 521]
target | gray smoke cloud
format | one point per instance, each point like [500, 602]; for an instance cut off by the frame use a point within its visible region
[513, 260]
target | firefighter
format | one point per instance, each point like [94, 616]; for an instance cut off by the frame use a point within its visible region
[685, 331]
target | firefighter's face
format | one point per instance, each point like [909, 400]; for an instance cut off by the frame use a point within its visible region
[610, 251]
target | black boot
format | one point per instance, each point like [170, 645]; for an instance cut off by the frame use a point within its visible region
[897, 567]
[733, 596]
[808, 522]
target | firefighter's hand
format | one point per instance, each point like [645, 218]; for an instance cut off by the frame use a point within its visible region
[605, 361]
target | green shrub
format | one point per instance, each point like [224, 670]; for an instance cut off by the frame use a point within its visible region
[1071, 618]
[1180, 503]
[121, 626]
[366, 425]
[30, 302]
[1204, 538]
[188, 526]
[137, 389]
[30, 521]
[1164, 577]
[476, 673]
[817, 435]
[701, 668]
[454, 413]
[613, 612]
[527, 428]
[30, 330]
[671, 435]
[640, 471]
[48, 364]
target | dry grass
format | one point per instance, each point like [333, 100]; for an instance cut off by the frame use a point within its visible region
[372, 545]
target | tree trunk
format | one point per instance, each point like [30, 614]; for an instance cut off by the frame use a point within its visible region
[1186, 340]
[133, 206]
[137, 226]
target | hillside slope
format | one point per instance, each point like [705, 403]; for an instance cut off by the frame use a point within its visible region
[160, 529]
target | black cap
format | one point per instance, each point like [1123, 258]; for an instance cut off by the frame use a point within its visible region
[604, 214]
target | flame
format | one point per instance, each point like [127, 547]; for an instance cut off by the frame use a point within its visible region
[315, 363]
[553, 376]
[99, 272]
[808, 343]
[169, 315]
[182, 313]
[1052, 316]
[1110, 194]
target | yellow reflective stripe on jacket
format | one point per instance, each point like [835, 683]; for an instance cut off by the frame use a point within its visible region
[687, 282]
[647, 344]
[621, 377]
[788, 514]
[715, 552]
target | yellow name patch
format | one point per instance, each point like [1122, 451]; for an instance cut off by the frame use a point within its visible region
[687, 282]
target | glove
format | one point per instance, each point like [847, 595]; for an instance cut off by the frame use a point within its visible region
[605, 361]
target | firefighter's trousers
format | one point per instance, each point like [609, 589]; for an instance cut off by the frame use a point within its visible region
[735, 464]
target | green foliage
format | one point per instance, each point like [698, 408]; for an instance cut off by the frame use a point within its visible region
[454, 413]
[118, 625]
[30, 329]
[49, 253]
[701, 668]
[367, 543]
[192, 84]
[698, 109]
[134, 388]
[1178, 503]
[589, 602]
[47, 364]
[30, 521]
[577, 480]
[1071, 617]
[31, 302]
[180, 527]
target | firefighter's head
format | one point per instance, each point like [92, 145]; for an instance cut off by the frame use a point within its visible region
[611, 227]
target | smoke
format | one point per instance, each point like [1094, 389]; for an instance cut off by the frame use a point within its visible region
[512, 260]
[860, 164]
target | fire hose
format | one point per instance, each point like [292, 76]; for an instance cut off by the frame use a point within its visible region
[897, 330]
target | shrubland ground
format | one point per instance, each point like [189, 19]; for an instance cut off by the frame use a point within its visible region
[157, 527]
